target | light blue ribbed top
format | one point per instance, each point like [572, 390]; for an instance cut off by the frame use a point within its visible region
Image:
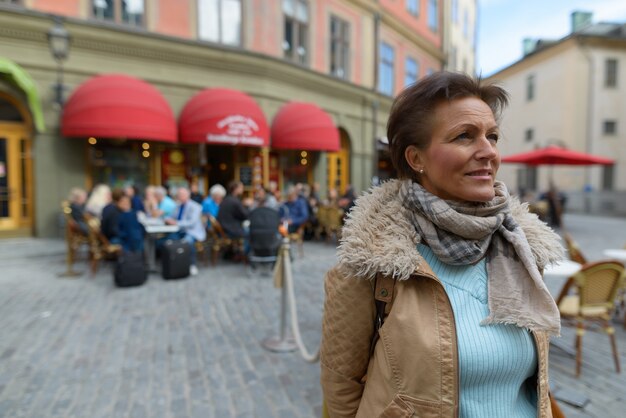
[496, 360]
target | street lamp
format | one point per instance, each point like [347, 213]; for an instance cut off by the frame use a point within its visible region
[59, 43]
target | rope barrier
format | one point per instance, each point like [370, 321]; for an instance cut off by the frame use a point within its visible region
[284, 280]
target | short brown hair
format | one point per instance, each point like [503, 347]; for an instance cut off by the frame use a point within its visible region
[117, 194]
[410, 121]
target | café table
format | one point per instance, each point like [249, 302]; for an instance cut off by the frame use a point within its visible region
[555, 276]
[155, 228]
[616, 254]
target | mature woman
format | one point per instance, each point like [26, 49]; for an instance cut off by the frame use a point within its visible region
[450, 265]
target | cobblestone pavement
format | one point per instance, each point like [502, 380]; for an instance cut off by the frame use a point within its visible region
[188, 348]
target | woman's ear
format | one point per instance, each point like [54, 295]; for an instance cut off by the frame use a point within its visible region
[412, 156]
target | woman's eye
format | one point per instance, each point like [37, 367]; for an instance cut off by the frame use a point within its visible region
[493, 137]
[464, 135]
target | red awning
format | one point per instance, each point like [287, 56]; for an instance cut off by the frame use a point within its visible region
[304, 126]
[223, 116]
[553, 155]
[118, 106]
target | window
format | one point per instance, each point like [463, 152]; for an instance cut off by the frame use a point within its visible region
[609, 127]
[339, 48]
[385, 69]
[220, 21]
[465, 24]
[529, 135]
[413, 7]
[455, 11]
[296, 30]
[608, 177]
[128, 12]
[433, 15]
[411, 71]
[610, 75]
[530, 87]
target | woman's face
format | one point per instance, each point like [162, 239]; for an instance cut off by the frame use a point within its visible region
[462, 159]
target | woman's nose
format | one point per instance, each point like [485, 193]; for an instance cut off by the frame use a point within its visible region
[487, 149]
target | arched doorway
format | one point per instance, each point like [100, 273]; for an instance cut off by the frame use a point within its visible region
[16, 191]
[338, 164]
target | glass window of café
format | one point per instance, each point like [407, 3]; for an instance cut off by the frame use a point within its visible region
[297, 167]
[119, 163]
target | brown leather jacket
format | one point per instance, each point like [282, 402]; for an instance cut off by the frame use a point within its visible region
[413, 370]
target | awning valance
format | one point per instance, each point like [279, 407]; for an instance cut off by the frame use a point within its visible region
[304, 126]
[223, 116]
[20, 78]
[118, 106]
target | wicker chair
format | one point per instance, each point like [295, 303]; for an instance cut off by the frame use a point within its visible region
[334, 223]
[596, 287]
[101, 248]
[574, 250]
[74, 238]
[220, 241]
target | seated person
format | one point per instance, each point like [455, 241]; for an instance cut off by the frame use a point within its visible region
[165, 204]
[188, 216]
[232, 211]
[100, 197]
[135, 199]
[109, 225]
[196, 196]
[294, 210]
[130, 231]
[263, 198]
[78, 198]
[211, 205]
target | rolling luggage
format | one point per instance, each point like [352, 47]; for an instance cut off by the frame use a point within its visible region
[175, 259]
[130, 270]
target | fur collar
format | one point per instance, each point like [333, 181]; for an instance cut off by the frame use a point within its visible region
[378, 236]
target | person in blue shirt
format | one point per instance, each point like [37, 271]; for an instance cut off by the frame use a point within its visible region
[211, 204]
[130, 232]
[135, 198]
[294, 210]
[166, 205]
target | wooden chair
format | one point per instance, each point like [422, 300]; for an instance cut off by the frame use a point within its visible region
[334, 223]
[202, 246]
[74, 237]
[101, 248]
[574, 250]
[596, 287]
[220, 241]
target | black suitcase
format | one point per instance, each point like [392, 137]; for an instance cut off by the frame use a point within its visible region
[175, 259]
[130, 270]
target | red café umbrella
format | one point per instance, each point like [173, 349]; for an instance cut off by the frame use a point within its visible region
[554, 155]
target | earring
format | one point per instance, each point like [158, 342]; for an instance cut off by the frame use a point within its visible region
[421, 171]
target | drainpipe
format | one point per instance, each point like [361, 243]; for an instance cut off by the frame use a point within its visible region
[375, 102]
[589, 134]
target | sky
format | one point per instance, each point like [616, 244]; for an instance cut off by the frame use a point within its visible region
[503, 24]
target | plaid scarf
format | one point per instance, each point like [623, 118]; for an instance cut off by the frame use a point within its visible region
[463, 233]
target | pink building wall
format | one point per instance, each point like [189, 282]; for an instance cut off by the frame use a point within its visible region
[266, 27]
[263, 29]
[60, 7]
[172, 18]
[417, 23]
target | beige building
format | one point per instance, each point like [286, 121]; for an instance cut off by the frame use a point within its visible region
[460, 22]
[570, 92]
[62, 125]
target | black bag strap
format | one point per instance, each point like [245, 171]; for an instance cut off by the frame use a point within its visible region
[383, 298]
